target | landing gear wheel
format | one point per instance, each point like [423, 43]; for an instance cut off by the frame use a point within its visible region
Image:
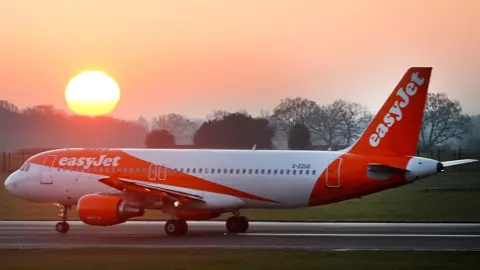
[176, 227]
[62, 227]
[237, 224]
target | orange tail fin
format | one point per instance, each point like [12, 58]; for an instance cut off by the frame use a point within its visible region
[395, 130]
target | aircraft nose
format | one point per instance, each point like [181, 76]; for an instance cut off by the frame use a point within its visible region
[10, 184]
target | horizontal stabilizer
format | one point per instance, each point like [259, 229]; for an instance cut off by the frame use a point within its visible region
[457, 162]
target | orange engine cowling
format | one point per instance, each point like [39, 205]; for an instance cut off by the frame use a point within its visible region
[106, 210]
[196, 214]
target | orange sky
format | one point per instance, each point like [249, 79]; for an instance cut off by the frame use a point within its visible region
[191, 57]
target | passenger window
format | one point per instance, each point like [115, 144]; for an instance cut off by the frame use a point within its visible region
[144, 170]
[250, 171]
[313, 172]
[193, 170]
[294, 172]
[106, 170]
[281, 171]
[188, 170]
[256, 171]
[288, 171]
[275, 171]
[131, 170]
[262, 171]
[200, 170]
[225, 171]
[300, 172]
[100, 169]
[213, 171]
[307, 171]
[238, 171]
[124, 170]
[137, 170]
[206, 170]
[219, 170]
[268, 172]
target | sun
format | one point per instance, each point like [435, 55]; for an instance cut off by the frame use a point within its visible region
[92, 93]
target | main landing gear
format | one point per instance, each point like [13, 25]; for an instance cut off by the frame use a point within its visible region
[176, 227]
[179, 227]
[63, 227]
[237, 224]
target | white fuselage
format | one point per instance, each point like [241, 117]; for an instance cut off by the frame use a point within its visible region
[287, 177]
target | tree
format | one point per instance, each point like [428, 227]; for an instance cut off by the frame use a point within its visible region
[159, 138]
[299, 138]
[340, 123]
[8, 106]
[235, 131]
[217, 115]
[443, 120]
[472, 140]
[292, 111]
[355, 119]
[327, 124]
[54, 128]
[179, 126]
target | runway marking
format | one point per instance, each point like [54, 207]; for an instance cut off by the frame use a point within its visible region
[357, 235]
[122, 246]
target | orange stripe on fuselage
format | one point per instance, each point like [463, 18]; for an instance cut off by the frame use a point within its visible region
[85, 159]
[354, 181]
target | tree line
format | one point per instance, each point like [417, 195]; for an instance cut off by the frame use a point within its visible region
[295, 123]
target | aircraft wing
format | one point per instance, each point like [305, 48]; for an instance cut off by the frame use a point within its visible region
[150, 189]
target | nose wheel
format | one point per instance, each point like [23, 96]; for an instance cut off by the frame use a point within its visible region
[63, 226]
[237, 224]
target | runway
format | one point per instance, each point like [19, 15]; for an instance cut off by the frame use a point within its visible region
[271, 235]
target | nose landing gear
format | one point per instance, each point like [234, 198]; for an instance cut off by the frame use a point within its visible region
[63, 227]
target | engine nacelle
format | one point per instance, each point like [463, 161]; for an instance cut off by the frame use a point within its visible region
[106, 210]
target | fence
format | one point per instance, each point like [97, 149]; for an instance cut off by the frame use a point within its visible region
[9, 162]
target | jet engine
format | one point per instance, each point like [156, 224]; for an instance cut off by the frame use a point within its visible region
[106, 210]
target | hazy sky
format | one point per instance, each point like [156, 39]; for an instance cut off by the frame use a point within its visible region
[191, 57]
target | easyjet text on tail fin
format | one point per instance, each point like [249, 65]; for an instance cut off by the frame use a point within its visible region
[396, 128]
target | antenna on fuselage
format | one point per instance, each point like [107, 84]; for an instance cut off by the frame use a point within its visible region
[254, 147]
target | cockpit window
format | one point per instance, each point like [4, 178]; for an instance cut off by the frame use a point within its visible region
[25, 167]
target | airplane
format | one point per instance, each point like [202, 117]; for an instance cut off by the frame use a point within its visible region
[110, 186]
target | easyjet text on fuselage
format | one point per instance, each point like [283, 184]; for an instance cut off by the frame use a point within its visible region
[87, 162]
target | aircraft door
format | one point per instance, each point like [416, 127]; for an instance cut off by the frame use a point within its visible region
[46, 176]
[332, 175]
[152, 172]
